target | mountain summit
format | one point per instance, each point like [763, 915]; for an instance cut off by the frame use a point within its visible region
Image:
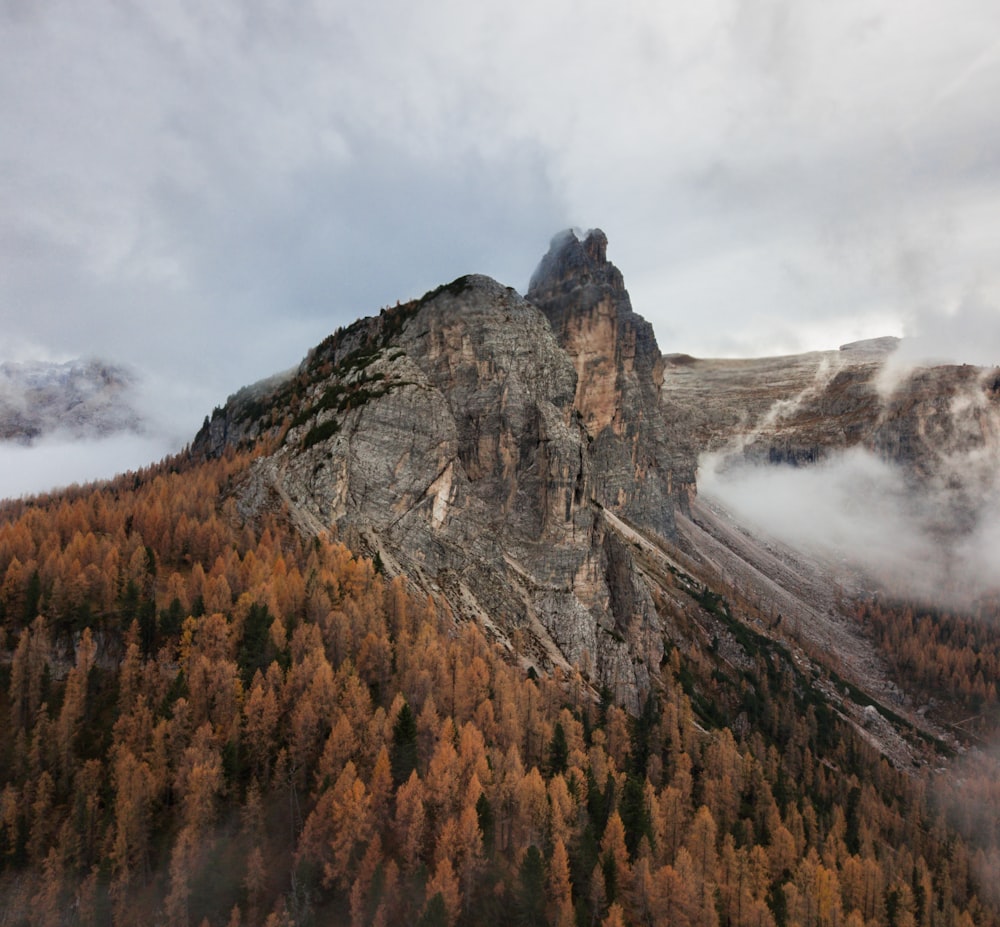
[483, 450]
[532, 462]
[619, 372]
[572, 263]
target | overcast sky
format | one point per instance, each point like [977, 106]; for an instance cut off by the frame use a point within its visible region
[204, 190]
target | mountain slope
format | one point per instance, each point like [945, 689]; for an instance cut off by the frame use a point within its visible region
[213, 722]
[452, 449]
[215, 712]
[515, 456]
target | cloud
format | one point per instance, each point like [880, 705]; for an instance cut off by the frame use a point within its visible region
[196, 193]
[935, 539]
[968, 332]
[205, 191]
[57, 461]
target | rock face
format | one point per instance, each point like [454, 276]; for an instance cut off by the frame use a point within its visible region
[799, 409]
[619, 375]
[940, 425]
[791, 410]
[532, 461]
[448, 437]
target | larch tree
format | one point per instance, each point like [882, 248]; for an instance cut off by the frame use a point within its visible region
[615, 859]
[560, 888]
[410, 822]
[444, 883]
[74, 705]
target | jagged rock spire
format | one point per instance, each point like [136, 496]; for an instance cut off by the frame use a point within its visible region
[571, 263]
[619, 369]
[575, 285]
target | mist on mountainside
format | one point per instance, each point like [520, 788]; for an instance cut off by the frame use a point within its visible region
[62, 459]
[82, 420]
[549, 694]
[86, 396]
[932, 537]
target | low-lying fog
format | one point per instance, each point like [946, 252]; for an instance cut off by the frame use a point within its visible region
[58, 461]
[938, 538]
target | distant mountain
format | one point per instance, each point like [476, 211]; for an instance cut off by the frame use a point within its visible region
[83, 398]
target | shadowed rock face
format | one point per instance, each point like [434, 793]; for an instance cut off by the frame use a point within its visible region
[571, 265]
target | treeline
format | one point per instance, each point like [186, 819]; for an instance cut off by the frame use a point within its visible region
[207, 722]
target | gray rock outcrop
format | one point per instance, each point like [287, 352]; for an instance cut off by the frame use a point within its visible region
[531, 461]
[619, 377]
[447, 436]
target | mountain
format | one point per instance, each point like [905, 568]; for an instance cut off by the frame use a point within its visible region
[491, 456]
[532, 461]
[486, 615]
[83, 398]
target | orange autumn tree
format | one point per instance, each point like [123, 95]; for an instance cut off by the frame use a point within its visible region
[222, 722]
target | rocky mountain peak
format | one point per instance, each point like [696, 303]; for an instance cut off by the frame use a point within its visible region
[583, 296]
[572, 263]
[618, 374]
[532, 462]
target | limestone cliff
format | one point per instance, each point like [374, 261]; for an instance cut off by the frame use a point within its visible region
[447, 437]
[531, 462]
[619, 377]
[940, 425]
[800, 408]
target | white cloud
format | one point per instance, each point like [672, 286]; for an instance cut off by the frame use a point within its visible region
[934, 539]
[204, 191]
[57, 461]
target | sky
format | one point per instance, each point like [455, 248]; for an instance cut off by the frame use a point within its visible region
[203, 191]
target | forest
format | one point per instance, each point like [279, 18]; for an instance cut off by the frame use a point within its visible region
[943, 655]
[209, 722]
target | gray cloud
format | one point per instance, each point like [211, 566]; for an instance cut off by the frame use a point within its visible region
[936, 540]
[205, 190]
[58, 461]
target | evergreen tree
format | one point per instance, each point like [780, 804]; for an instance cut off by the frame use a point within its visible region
[403, 757]
[558, 754]
[531, 890]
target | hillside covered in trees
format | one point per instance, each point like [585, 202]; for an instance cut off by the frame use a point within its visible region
[211, 721]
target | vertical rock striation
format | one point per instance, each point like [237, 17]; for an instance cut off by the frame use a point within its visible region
[456, 438]
[531, 462]
[619, 376]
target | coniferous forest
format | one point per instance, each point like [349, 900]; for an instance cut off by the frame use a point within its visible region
[212, 722]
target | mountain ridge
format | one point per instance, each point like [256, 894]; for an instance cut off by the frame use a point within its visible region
[218, 713]
[513, 455]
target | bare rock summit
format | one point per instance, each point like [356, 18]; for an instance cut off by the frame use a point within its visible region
[531, 462]
[486, 445]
